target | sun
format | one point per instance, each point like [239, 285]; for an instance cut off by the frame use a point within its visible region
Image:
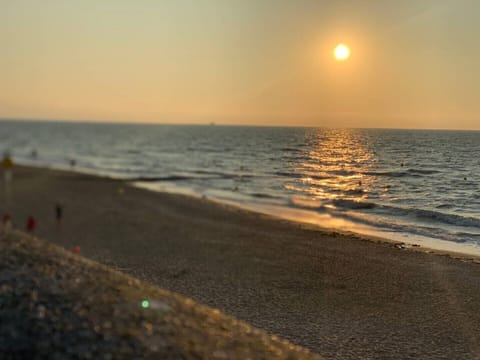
[341, 52]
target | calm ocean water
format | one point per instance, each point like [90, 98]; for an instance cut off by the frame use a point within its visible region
[408, 184]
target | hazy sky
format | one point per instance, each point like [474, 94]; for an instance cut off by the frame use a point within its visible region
[414, 63]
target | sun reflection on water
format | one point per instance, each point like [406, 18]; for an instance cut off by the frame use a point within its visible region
[336, 167]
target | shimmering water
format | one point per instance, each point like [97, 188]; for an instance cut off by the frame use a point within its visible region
[412, 183]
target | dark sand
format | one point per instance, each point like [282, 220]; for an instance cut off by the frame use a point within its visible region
[339, 295]
[56, 305]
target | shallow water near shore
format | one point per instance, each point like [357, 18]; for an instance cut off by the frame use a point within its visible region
[421, 187]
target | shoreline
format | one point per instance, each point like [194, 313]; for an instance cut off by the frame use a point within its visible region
[414, 243]
[339, 295]
[403, 244]
[373, 236]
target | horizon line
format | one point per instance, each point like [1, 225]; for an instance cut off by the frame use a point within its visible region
[213, 123]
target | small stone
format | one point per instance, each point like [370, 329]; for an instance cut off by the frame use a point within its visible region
[41, 310]
[220, 354]
[107, 325]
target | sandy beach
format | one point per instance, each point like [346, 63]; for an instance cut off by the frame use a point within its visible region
[341, 296]
[59, 305]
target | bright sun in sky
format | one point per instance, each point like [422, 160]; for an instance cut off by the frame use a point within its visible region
[341, 52]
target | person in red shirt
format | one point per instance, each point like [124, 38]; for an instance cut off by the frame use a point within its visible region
[31, 224]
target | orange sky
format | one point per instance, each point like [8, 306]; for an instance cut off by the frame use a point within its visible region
[414, 64]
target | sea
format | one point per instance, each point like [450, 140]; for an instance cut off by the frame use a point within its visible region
[419, 187]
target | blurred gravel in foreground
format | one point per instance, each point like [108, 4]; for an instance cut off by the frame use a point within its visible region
[54, 304]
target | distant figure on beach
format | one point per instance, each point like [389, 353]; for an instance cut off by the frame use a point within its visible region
[34, 154]
[73, 162]
[31, 224]
[58, 214]
[7, 165]
[7, 162]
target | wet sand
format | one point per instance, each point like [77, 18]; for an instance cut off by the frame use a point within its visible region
[342, 296]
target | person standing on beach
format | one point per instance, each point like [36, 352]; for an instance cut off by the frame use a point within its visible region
[58, 214]
[31, 224]
[7, 165]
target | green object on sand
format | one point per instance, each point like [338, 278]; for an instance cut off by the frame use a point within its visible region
[145, 304]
